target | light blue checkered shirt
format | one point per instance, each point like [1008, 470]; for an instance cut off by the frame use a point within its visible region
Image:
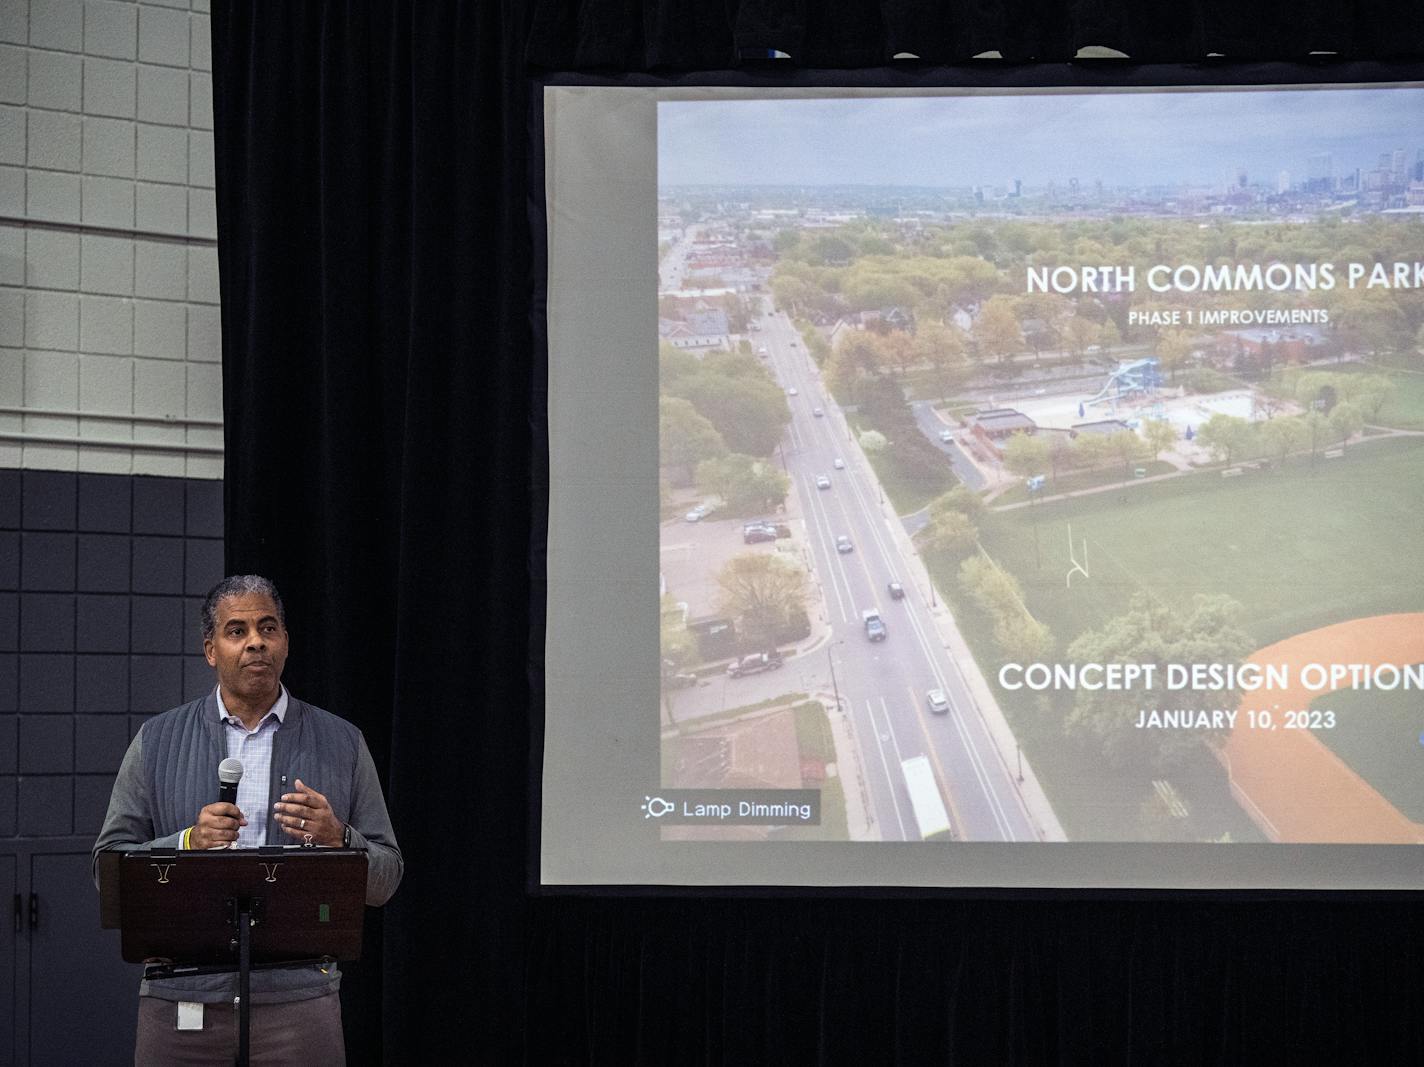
[254, 749]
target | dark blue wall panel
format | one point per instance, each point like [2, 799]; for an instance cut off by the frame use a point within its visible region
[106, 504]
[101, 577]
[103, 563]
[46, 561]
[46, 744]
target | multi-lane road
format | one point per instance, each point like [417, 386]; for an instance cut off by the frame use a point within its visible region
[883, 686]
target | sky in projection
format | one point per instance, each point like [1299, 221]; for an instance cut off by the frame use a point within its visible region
[1119, 138]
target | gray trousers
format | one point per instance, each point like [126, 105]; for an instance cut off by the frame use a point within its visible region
[305, 1032]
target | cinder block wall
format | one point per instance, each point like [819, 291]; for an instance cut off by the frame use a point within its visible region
[110, 391]
[109, 326]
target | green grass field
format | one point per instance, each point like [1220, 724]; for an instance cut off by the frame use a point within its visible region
[1378, 735]
[1308, 545]
[1313, 543]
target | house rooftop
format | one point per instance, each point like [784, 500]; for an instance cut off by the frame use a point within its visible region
[1103, 426]
[1004, 419]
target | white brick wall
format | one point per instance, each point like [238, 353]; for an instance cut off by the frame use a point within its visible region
[108, 260]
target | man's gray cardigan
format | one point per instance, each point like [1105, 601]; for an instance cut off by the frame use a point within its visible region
[170, 772]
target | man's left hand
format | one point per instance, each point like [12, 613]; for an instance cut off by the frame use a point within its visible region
[307, 812]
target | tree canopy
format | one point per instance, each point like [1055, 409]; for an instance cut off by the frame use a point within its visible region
[1227, 436]
[738, 397]
[746, 485]
[1151, 631]
[761, 593]
[1026, 455]
[685, 437]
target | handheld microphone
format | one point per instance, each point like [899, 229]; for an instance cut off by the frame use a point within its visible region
[229, 774]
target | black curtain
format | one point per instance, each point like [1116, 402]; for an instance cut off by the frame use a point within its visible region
[376, 399]
[383, 461]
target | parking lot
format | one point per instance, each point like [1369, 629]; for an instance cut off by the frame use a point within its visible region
[692, 554]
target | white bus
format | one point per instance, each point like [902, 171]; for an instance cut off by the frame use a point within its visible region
[930, 816]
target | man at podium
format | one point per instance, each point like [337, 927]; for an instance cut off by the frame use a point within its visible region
[306, 778]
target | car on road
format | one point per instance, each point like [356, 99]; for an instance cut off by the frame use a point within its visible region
[946, 436]
[822, 482]
[838, 463]
[895, 589]
[762, 351]
[843, 544]
[937, 701]
[818, 413]
[874, 624]
[700, 512]
[792, 391]
[755, 663]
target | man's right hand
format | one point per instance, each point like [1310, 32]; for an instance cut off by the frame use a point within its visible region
[216, 827]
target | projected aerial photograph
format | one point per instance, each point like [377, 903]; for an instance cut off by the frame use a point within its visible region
[1046, 467]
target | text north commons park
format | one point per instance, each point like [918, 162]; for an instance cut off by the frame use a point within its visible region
[1204, 677]
[1227, 278]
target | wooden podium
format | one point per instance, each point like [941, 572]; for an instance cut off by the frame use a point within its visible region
[211, 912]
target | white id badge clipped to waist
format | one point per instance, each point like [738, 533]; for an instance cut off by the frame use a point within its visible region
[190, 1015]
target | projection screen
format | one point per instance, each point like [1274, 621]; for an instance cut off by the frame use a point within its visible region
[983, 487]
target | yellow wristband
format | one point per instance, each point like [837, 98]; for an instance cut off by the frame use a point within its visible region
[183, 842]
